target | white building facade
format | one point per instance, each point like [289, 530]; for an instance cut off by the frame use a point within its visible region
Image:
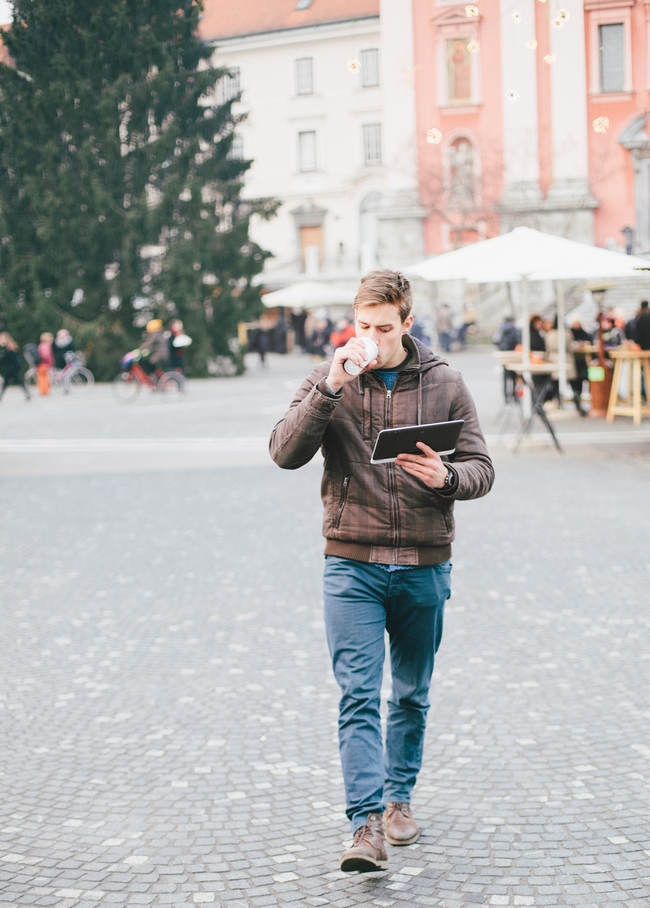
[330, 130]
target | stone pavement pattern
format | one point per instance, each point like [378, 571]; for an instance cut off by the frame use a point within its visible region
[168, 712]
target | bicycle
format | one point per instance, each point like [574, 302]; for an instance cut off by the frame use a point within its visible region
[73, 377]
[128, 383]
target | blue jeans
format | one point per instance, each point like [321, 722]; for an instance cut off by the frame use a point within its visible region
[362, 601]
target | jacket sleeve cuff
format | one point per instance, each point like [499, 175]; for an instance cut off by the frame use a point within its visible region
[448, 492]
[325, 389]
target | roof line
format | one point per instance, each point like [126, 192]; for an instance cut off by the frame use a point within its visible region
[292, 28]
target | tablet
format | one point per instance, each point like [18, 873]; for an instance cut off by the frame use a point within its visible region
[440, 436]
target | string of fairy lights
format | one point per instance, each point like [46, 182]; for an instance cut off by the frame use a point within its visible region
[434, 135]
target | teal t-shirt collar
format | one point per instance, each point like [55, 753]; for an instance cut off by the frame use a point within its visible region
[389, 376]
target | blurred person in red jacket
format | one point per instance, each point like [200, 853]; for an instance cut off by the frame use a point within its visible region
[342, 333]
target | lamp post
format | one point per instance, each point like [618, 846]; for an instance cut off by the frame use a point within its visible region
[628, 233]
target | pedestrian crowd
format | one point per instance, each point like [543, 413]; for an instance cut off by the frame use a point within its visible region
[53, 359]
[50, 353]
[318, 334]
[545, 343]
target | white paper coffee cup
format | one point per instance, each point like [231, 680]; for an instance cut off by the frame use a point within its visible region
[371, 352]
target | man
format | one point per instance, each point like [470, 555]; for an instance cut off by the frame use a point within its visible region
[388, 531]
[444, 327]
[469, 321]
[155, 344]
[641, 335]
[62, 345]
[507, 337]
[176, 354]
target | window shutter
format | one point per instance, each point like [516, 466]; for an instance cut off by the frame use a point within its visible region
[372, 144]
[229, 86]
[370, 67]
[305, 76]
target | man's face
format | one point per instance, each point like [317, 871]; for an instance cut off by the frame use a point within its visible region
[383, 324]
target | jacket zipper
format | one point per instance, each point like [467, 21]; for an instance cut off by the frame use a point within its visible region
[391, 477]
[344, 496]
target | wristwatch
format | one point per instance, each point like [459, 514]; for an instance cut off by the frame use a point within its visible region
[450, 479]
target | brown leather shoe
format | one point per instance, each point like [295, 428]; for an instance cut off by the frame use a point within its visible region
[401, 828]
[368, 851]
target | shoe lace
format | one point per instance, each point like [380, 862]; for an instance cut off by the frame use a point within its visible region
[402, 806]
[361, 833]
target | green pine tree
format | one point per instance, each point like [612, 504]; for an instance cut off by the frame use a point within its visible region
[113, 143]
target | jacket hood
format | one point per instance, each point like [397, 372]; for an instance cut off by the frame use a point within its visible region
[423, 358]
[422, 362]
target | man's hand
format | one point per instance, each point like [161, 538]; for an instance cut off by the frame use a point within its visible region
[354, 350]
[427, 467]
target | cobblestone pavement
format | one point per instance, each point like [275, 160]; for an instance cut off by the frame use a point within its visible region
[167, 707]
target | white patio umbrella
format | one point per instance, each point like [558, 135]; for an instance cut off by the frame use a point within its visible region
[308, 295]
[529, 255]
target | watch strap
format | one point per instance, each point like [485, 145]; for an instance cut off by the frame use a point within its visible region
[451, 480]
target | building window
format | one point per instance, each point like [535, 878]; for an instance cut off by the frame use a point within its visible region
[372, 144]
[459, 71]
[370, 67]
[237, 148]
[229, 85]
[305, 76]
[611, 48]
[306, 151]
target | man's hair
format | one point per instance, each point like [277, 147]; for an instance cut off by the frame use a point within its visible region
[385, 286]
[644, 304]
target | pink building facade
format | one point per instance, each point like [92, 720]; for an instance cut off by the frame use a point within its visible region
[533, 114]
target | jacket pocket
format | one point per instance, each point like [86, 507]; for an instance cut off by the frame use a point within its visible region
[343, 499]
[445, 509]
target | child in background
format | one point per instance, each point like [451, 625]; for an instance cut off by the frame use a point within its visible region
[45, 363]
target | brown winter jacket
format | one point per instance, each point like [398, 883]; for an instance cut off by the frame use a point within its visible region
[381, 513]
